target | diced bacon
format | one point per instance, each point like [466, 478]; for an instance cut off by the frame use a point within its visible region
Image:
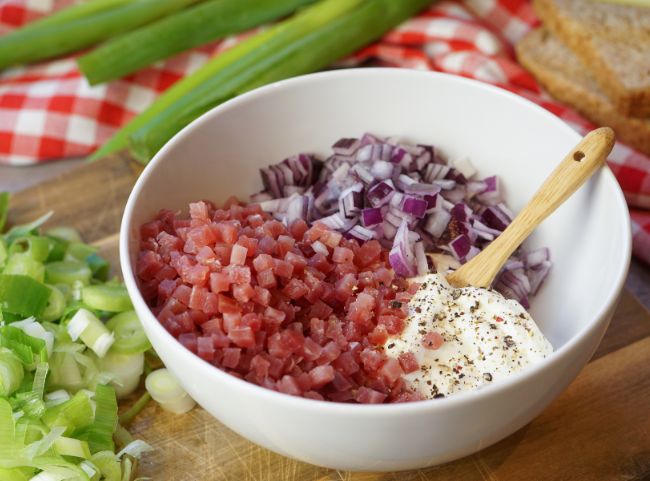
[205, 348]
[266, 279]
[369, 396]
[298, 228]
[283, 269]
[288, 385]
[391, 371]
[321, 375]
[249, 243]
[222, 251]
[260, 365]
[219, 282]
[150, 229]
[263, 262]
[408, 362]
[242, 336]
[182, 293]
[196, 275]
[371, 359]
[199, 211]
[393, 324]
[257, 299]
[295, 289]
[189, 340]
[238, 255]
[243, 293]
[148, 265]
[231, 357]
[378, 336]
[432, 340]
[227, 304]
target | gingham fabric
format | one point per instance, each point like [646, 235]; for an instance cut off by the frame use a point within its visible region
[48, 111]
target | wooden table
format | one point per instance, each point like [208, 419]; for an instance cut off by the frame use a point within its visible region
[598, 429]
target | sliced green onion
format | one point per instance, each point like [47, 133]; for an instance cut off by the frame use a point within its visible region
[11, 372]
[219, 78]
[4, 208]
[28, 349]
[98, 266]
[65, 371]
[189, 28]
[37, 247]
[23, 295]
[100, 433]
[67, 234]
[26, 229]
[130, 337]
[71, 415]
[55, 305]
[126, 370]
[15, 474]
[128, 416]
[56, 397]
[78, 251]
[108, 465]
[86, 326]
[57, 36]
[135, 448]
[72, 447]
[107, 297]
[167, 391]
[67, 272]
[35, 329]
[25, 265]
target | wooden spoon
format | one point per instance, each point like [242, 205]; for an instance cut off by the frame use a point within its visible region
[576, 168]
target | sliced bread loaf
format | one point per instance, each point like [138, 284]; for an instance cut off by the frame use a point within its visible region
[562, 74]
[613, 40]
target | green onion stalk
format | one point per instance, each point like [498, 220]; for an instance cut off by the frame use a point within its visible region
[194, 26]
[309, 41]
[81, 26]
[220, 77]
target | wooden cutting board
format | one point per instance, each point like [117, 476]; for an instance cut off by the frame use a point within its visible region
[598, 429]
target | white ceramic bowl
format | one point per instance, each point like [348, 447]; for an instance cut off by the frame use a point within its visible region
[219, 155]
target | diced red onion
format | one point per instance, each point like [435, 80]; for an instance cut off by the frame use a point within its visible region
[406, 197]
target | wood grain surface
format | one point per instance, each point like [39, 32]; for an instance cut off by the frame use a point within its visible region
[598, 429]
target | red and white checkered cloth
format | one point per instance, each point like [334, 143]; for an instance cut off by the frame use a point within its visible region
[48, 111]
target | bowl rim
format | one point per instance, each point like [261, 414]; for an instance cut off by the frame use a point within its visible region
[457, 399]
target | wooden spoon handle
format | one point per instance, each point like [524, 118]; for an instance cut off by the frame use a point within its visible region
[578, 166]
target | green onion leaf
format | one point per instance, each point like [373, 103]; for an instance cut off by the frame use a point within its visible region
[71, 415]
[99, 434]
[98, 266]
[72, 447]
[67, 234]
[26, 229]
[23, 295]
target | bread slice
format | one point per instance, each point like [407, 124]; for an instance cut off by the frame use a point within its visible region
[613, 40]
[560, 72]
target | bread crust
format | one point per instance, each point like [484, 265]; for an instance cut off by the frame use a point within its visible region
[565, 77]
[618, 58]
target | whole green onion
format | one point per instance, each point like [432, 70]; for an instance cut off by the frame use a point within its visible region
[313, 51]
[189, 28]
[72, 31]
[221, 76]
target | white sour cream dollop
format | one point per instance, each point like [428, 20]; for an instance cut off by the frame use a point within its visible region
[486, 338]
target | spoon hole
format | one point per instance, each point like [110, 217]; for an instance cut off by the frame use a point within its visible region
[578, 155]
